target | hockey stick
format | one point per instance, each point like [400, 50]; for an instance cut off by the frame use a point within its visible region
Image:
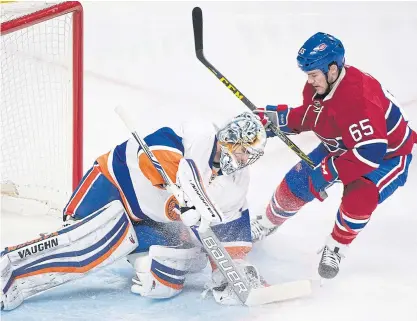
[198, 41]
[214, 248]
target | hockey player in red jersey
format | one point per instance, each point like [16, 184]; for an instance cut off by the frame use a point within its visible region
[366, 145]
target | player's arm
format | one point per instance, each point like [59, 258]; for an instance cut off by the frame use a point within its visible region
[168, 148]
[165, 144]
[364, 133]
[289, 120]
[193, 141]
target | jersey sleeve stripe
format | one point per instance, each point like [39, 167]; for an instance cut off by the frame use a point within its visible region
[162, 147]
[388, 110]
[406, 135]
[364, 160]
[165, 136]
[371, 141]
[168, 148]
[169, 161]
[395, 126]
[393, 117]
[371, 152]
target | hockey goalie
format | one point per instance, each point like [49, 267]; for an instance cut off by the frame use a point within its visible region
[121, 209]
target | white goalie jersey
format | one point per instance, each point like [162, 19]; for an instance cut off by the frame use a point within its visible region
[141, 186]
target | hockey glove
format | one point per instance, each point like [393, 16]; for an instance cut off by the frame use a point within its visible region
[277, 115]
[323, 177]
[189, 216]
[196, 203]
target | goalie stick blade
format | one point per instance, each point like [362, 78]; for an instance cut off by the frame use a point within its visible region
[279, 292]
[198, 29]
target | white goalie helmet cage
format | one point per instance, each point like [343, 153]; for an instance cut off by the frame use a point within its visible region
[242, 142]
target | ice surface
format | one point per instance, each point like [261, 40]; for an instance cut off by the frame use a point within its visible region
[141, 54]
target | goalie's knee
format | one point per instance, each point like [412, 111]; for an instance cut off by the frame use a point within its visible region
[160, 273]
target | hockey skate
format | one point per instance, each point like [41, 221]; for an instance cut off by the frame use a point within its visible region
[259, 231]
[332, 254]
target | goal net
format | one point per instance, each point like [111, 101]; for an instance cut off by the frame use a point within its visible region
[41, 104]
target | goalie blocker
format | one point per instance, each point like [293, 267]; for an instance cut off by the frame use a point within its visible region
[65, 255]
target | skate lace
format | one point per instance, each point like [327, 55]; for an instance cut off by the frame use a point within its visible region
[258, 231]
[330, 258]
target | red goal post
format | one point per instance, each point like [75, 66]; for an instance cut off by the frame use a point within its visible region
[42, 100]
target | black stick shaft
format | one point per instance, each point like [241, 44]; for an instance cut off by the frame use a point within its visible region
[197, 15]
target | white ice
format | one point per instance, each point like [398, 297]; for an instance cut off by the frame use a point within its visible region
[141, 54]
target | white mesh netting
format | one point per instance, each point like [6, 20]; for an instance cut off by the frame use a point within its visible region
[36, 108]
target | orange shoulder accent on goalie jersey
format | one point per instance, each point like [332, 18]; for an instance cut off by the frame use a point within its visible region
[103, 163]
[169, 160]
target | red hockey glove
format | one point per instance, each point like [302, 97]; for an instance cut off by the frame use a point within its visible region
[277, 115]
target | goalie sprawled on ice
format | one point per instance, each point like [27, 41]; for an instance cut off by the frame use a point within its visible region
[122, 209]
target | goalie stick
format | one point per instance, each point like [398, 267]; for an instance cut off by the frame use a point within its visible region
[214, 248]
[198, 41]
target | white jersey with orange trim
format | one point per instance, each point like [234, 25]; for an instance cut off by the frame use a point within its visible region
[140, 185]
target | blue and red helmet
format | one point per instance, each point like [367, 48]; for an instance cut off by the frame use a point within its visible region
[319, 52]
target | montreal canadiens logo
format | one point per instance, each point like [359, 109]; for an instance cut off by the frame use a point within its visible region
[320, 47]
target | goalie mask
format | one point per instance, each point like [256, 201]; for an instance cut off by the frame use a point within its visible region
[242, 142]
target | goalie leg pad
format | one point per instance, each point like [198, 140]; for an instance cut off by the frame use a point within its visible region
[67, 254]
[160, 273]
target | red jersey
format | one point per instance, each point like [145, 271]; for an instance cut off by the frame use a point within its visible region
[358, 121]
